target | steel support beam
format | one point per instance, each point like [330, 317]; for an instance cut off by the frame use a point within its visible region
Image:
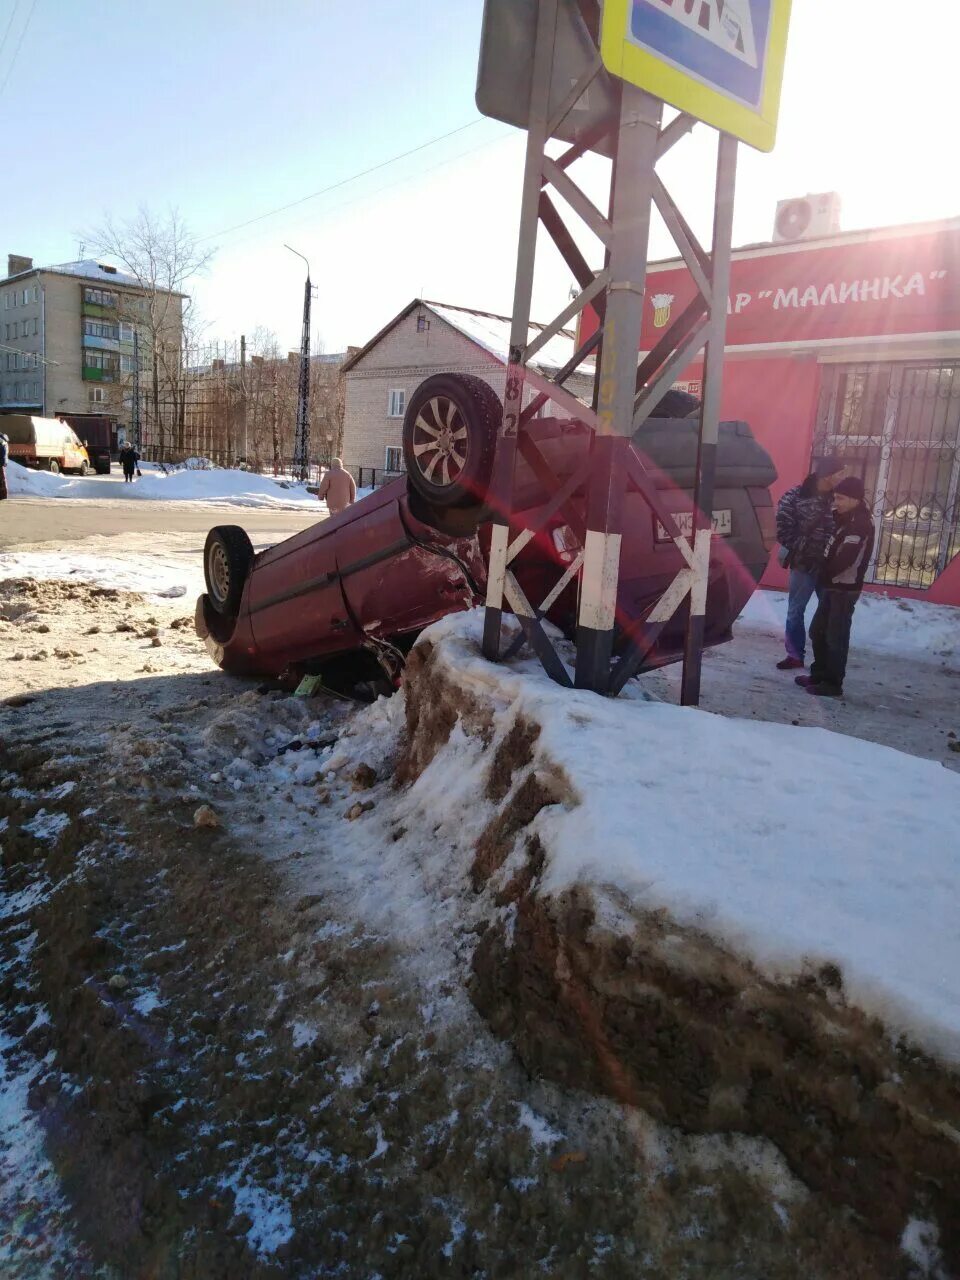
[709, 418]
[501, 484]
[639, 134]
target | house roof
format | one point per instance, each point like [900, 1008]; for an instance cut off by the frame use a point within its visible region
[485, 329]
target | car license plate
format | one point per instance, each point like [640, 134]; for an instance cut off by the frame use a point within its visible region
[722, 525]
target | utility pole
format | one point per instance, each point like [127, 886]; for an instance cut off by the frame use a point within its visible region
[301, 448]
[243, 394]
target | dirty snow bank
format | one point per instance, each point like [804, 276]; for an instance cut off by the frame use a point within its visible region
[158, 578]
[907, 627]
[794, 846]
[217, 487]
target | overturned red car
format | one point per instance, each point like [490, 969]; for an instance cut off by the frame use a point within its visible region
[352, 593]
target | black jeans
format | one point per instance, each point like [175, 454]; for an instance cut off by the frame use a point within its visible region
[830, 635]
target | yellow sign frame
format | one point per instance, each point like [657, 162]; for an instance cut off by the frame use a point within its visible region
[685, 90]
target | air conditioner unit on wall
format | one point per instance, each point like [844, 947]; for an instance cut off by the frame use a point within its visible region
[807, 217]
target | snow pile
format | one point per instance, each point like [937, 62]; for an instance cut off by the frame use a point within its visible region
[158, 578]
[796, 847]
[905, 627]
[215, 487]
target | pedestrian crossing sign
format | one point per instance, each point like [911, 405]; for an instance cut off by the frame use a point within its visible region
[718, 60]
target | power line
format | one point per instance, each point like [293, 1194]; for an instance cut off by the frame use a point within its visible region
[389, 186]
[6, 34]
[343, 181]
[16, 52]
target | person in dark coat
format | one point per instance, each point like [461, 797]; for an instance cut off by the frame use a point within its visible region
[838, 589]
[128, 461]
[804, 526]
[3, 465]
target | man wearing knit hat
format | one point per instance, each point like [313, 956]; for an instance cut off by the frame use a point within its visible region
[838, 589]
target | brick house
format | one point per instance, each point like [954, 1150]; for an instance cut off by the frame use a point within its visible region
[427, 338]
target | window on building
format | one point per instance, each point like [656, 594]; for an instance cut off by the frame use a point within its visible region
[423, 324]
[14, 298]
[36, 324]
[7, 333]
[36, 293]
[36, 391]
[127, 364]
[396, 402]
[100, 297]
[25, 327]
[16, 391]
[100, 329]
[26, 296]
[126, 332]
[6, 302]
[394, 460]
[96, 395]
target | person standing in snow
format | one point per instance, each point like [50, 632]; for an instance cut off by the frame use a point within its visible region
[128, 461]
[804, 526]
[838, 589]
[338, 487]
[3, 465]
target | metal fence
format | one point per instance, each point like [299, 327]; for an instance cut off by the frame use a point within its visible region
[897, 426]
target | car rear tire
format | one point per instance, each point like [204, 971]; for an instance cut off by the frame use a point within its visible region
[53, 466]
[450, 433]
[85, 468]
[227, 557]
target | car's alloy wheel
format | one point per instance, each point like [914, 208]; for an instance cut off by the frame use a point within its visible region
[450, 433]
[440, 441]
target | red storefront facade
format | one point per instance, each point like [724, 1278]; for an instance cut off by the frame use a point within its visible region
[850, 345]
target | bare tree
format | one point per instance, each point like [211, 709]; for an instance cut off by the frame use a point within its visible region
[163, 256]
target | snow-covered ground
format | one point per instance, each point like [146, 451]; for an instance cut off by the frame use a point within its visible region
[161, 577]
[214, 487]
[880, 623]
[793, 846]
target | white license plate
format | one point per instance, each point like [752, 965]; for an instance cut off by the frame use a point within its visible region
[722, 525]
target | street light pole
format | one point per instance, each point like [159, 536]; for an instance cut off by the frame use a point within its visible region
[301, 448]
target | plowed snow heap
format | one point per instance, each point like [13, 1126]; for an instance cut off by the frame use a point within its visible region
[735, 926]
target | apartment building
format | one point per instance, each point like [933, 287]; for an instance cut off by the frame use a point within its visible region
[72, 337]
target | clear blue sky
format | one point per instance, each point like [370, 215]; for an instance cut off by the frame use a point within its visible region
[225, 110]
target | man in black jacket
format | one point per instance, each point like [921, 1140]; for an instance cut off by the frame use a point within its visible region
[838, 589]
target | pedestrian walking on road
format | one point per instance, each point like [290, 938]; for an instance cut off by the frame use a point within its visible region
[4, 441]
[128, 461]
[838, 589]
[338, 487]
[804, 526]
